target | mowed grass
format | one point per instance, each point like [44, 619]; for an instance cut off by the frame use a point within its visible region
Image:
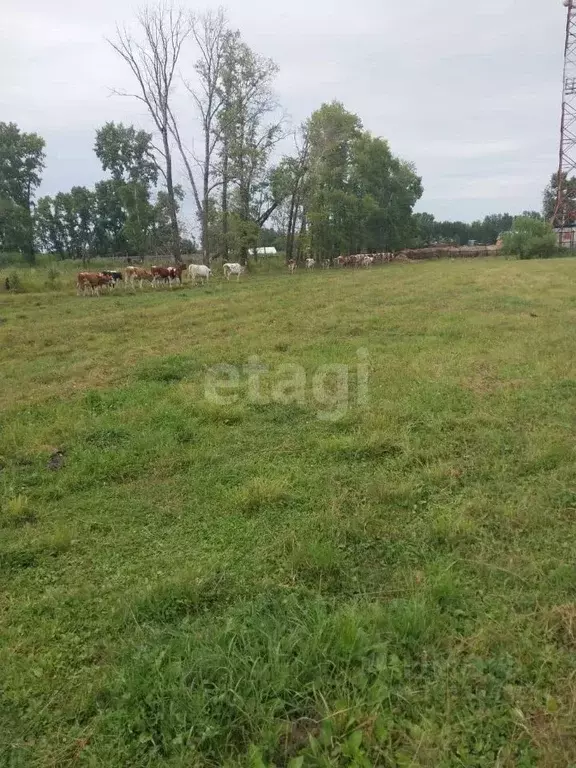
[196, 584]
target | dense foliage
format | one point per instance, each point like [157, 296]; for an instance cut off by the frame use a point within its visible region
[428, 231]
[123, 214]
[21, 165]
[530, 238]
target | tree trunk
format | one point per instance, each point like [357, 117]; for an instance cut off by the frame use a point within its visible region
[245, 216]
[206, 200]
[303, 229]
[171, 199]
[291, 228]
[29, 254]
[225, 200]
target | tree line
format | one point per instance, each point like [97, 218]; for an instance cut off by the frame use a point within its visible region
[340, 190]
[428, 231]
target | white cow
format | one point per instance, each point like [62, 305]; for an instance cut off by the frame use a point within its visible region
[310, 263]
[233, 268]
[199, 270]
[367, 261]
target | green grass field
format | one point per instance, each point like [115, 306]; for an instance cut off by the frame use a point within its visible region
[252, 585]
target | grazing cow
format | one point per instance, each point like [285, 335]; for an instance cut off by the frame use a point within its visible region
[326, 264]
[291, 266]
[161, 275]
[199, 270]
[310, 263]
[116, 276]
[92, 280]
[350, 261]
[233, 268]
[367, 261]
[131, 274]
[177, 272]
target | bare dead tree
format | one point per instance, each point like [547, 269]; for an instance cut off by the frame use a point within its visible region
[223, 130]
[210, 33]
[152, 59]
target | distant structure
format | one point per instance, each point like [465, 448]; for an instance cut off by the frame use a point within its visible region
[564, 219]
[265, 251]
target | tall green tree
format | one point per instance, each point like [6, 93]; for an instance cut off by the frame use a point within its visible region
[161, 226]
[129, 156]
[15, 227]
[127, 153]
[47, 227]
[21, 165]
[295, 172]
[64, 224]
[109, 218]
[388, 188]
[355, 194]
[425, 228]
[330, 206]
[248, 131]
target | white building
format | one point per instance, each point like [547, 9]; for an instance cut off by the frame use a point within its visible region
[268, 251]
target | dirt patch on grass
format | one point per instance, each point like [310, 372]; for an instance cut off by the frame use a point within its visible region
[297, 735]
[554, 737]
[487, 384]
[561, 625]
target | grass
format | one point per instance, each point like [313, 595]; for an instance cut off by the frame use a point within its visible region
[50, 274]
[251, 585]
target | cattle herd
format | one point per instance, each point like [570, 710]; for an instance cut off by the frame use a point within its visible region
[91, 283]
[357, 260]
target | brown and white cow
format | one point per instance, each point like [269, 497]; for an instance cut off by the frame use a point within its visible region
[92, 280]
[131, 274]
[167, 274]
[177, 272]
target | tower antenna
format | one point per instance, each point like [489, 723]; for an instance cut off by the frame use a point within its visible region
[563, 216]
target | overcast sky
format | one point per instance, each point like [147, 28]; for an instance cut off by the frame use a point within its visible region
[469, 91]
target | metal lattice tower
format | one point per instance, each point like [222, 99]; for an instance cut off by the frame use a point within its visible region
[567, 164]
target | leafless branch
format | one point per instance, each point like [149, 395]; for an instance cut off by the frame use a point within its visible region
[153, 58]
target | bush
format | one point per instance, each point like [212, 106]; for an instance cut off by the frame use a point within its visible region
[530, 239]
[53, 279]
[13, 282]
